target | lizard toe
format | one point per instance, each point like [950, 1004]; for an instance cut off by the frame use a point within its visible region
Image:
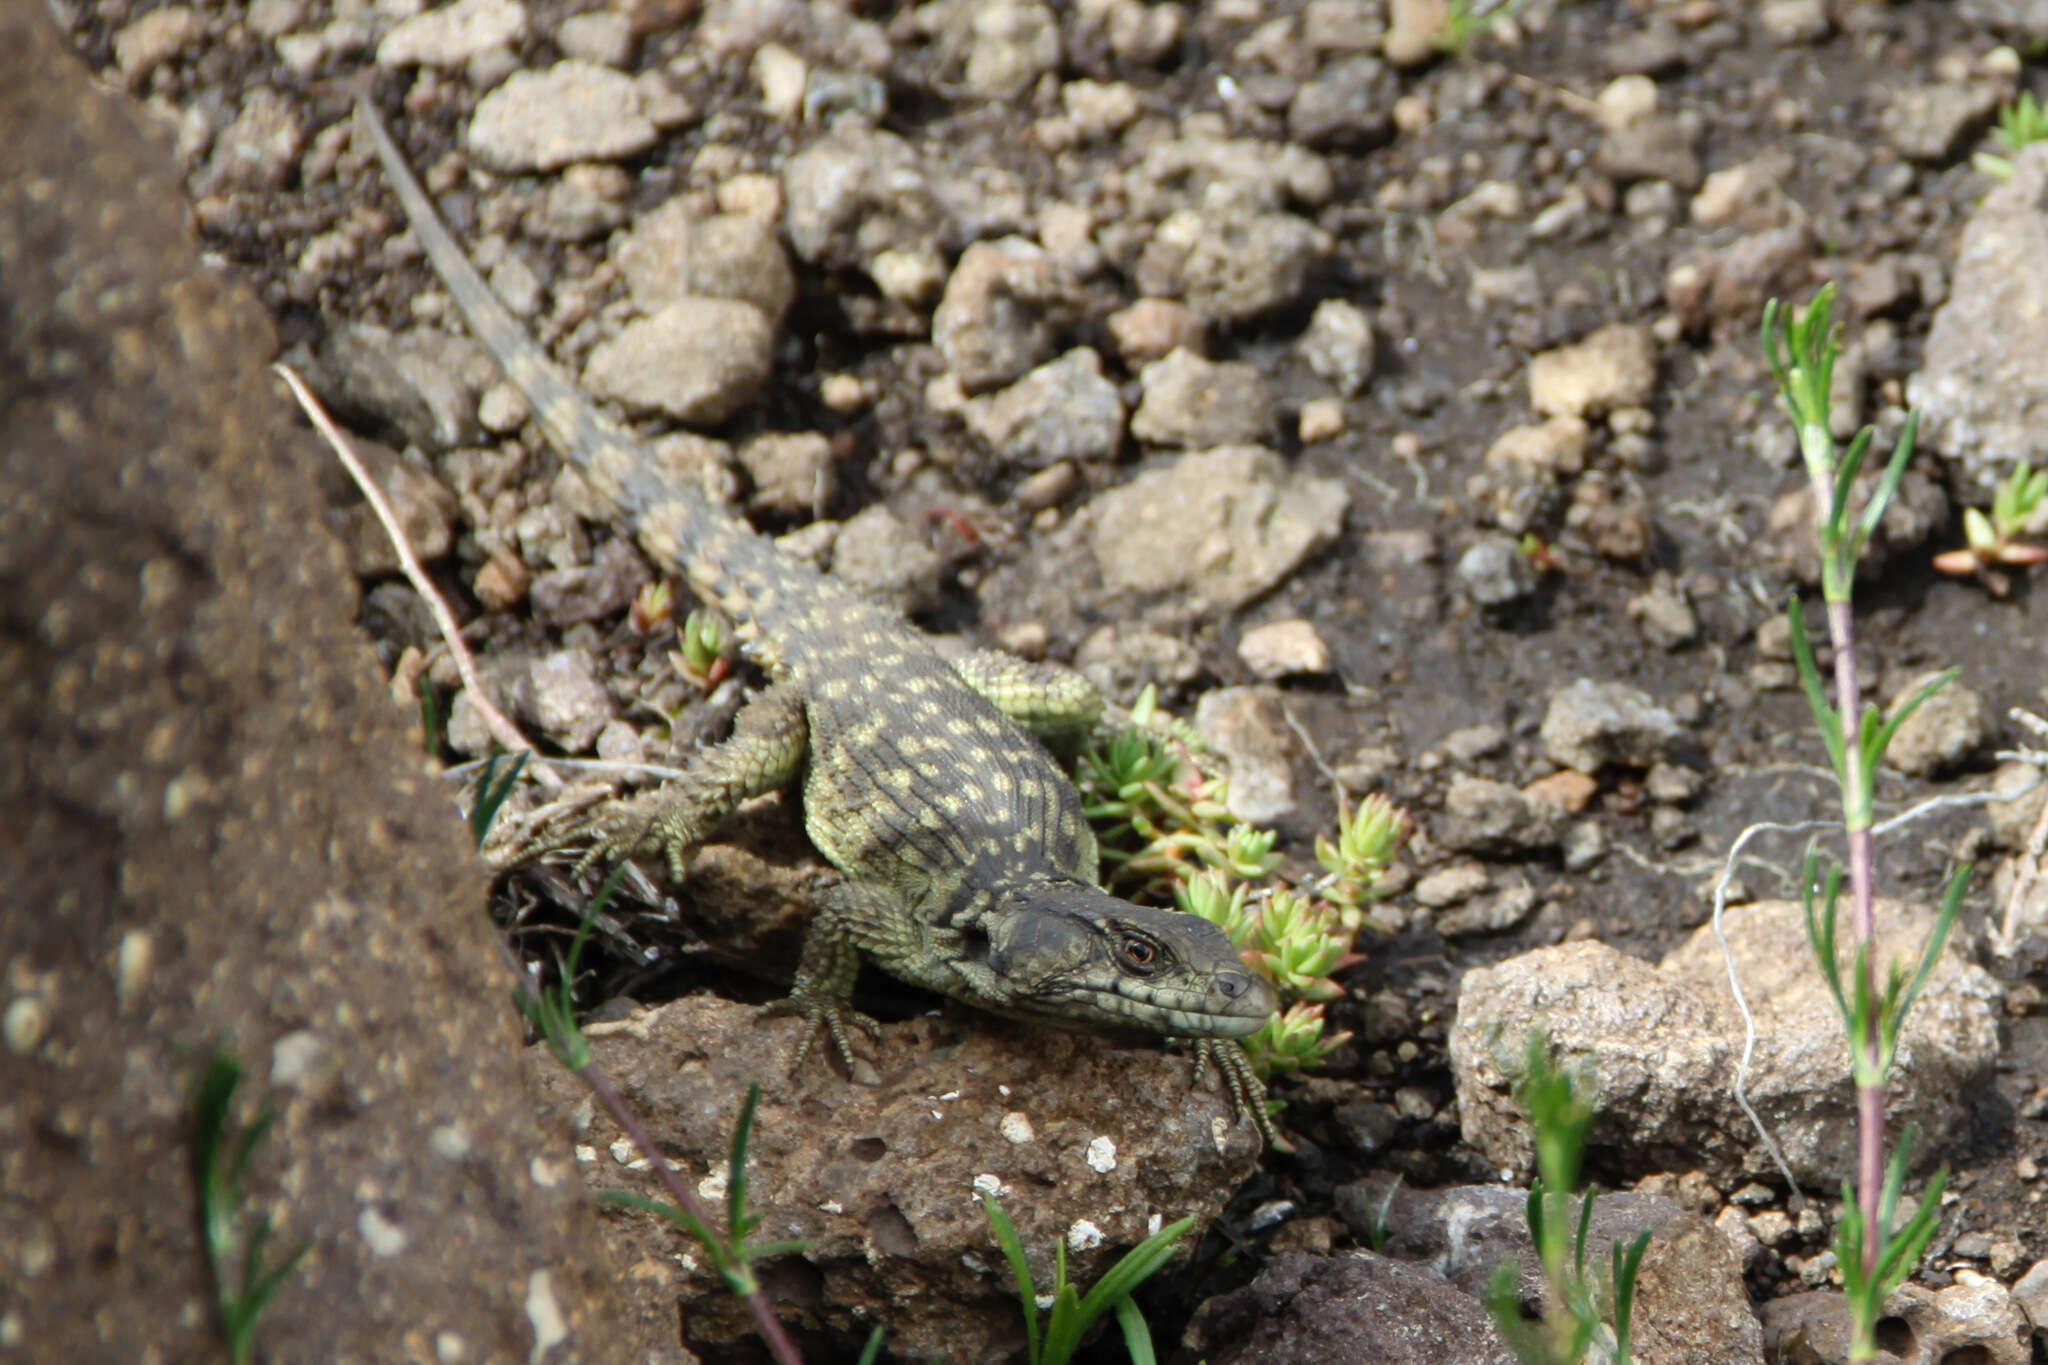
[829, 1019]
[1247, 1092]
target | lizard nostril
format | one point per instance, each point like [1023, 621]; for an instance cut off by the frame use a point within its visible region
[1233, 984]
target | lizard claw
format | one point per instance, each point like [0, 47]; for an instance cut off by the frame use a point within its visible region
[1247, 1091]
[830, 1018]
[640, 827]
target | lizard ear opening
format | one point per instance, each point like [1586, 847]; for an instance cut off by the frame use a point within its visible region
[1034, 942]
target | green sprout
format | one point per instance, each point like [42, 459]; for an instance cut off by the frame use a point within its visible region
[1538, 551]
[1298, 943]
[1994, 540]
[491, 791]
[1873, 1265]
[1801, 348]
[551, 1011]
[1464, 21]
[1367, 842]
[654, 606]
[1867, 1012]
[1583, 1310]
[1292, 1041]
[1073, 1313]
[430, 713]
[235, 1243]
[1378, 1228]
[1158, 815]
[1220, 899]
[1166, 832]
[732, 1255]
[705, 645]
[2020, 124]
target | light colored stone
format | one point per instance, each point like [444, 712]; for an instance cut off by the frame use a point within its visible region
[1239, 521]
[1189, 401]
[1280, 648]
[997, 319]
[1541, 452]
[1247, 727]
[1065, 410]
[1338, 346]
[453, 34]
[1943, 730]
[1598, 1006]
[602, 36]
[573, 111]
[1589, 724]
[150, 41]
[1321, 419]
[1982, 387]
[671, 253]
[1615, 367]
[697, 360]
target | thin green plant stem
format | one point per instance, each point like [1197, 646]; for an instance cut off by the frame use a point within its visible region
[1804, 369]
[1856, 823]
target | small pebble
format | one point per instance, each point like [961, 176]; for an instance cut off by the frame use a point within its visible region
[1281, 648]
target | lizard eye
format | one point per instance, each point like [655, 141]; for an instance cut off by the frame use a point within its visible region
[1141, 953]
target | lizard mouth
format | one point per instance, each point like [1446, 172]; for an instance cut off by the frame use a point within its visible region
[1236, 1004]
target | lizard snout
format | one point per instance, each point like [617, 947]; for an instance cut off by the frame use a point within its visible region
[1245, 995]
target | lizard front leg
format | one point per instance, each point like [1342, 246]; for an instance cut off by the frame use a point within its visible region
[766, 751]
[850, 916]
[1247, 1092]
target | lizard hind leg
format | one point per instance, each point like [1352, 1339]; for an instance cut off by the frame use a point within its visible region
[1052, 701]
[766, 751]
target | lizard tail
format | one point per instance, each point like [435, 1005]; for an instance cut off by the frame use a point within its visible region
[725, 561]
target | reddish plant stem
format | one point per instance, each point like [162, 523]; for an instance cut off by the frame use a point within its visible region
[1863, 905]
[628, 1119]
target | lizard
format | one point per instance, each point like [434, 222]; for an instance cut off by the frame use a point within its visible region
[968, 866]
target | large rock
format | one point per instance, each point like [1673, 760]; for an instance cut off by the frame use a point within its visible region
[220, 834]
[1239, 521]
[1664, 1043]
[1982, 388]
[1976, 1321]
[1691, 1304]
[1085, 1142]
[1356, 1306]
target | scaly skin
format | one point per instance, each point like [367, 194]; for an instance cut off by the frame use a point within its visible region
[969, 867]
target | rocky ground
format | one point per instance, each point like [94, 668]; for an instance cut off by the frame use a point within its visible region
[1398, 411]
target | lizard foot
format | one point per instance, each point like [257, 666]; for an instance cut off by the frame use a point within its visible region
[1247, 1091]
[830, 1019]
[645, 826]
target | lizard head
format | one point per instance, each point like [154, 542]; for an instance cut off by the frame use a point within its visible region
[1072, 953]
